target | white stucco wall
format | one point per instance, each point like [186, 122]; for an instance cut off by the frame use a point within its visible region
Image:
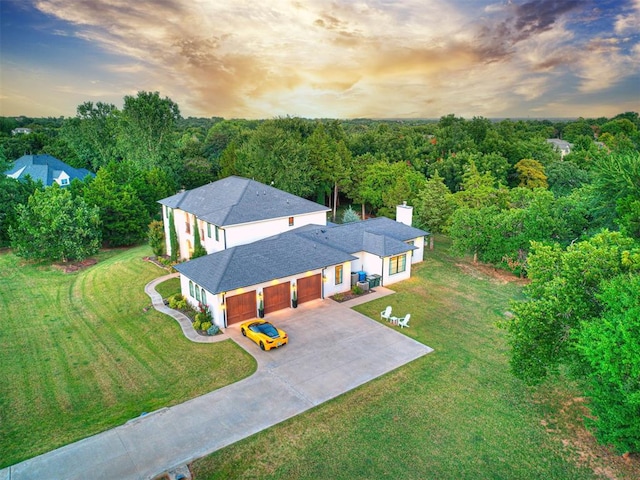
[388, 279]
[418, 255]
[250, 232]
[330, 286]
[232, 235]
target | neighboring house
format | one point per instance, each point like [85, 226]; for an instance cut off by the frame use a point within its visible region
[20, 131]
[47, 169]
[287, 249]
[561, 146]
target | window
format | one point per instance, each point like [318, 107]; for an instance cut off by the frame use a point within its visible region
[217, 234]
[411, 242]
[204, 296]
[397, 264]
[64, 181]
[190, 288]
[209, 230]
[338, 274]
[197, 293]
[187, 226]
[291, 221]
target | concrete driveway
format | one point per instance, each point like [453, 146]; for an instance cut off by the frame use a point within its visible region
[332, 349]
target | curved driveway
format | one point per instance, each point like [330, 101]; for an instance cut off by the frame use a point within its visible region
[332, 350]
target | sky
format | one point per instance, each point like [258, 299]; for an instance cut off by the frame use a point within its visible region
[324, 59]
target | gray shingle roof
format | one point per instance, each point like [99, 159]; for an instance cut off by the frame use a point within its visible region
[379, 236]
[306, 248]
[236, 200]
[262, 261]
[45, 168]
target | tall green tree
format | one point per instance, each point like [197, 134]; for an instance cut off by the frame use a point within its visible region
[563, 294]
[173, 238]
[92, 134]
[434, 206]
[55, 226]
[124, 216]
[147, 134]
[610, 346]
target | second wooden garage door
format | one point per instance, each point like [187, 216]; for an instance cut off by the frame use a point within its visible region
[276, 297]
[241, 307]
[309, 288]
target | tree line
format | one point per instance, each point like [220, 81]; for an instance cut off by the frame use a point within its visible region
[502, 193]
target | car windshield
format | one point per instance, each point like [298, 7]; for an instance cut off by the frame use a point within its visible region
[268, 330]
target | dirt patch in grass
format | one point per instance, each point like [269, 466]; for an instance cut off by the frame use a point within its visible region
[482, 271]
[566, 423]
[70, 267]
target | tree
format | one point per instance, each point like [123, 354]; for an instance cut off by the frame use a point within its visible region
[277, 156]
[563, 294]
[155, 235]
[434, 206]
[124, 216]
[470, 230]
[173, 238]
[480, 190]
[610, 346]
[92, 134]
[146, 135]
[198, 249]
[530, 174]
[55, 226]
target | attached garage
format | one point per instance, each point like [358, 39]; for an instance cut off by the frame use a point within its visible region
[241, 307]
[276, 297]
[309, 288]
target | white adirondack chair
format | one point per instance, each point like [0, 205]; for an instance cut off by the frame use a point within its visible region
[386, 314]
[404, 322]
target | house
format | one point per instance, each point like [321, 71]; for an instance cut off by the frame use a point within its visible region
[561, 146]
[288, 251]
[46, 169]
[21, 131]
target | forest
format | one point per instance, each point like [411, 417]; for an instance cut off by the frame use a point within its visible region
[502, 193]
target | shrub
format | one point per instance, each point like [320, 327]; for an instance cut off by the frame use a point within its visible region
[356, 290]
[176, 299]
[350, 215]
[205, 326]
[197, 325]
[213, 330]
[338, 297]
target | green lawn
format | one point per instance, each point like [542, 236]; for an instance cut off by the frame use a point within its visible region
[454, 414]
[79, 354]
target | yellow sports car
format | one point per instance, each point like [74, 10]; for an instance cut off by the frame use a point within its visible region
[264, 334]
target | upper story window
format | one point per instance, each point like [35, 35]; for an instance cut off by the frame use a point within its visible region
[190, 288]
[291, 221]
[338, 274]
[397, 264]
[209, 230]
[187, 226]
[217, 234]
[411, 242]
[64, 181]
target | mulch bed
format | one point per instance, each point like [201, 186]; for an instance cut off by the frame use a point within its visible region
[345, 297]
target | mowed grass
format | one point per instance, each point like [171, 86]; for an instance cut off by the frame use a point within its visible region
[79, 354]
[456, 413]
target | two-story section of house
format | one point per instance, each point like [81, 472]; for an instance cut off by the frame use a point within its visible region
[235, 211]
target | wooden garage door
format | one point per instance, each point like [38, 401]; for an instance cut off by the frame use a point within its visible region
[309, 288]
[277, 297]
[241, 307]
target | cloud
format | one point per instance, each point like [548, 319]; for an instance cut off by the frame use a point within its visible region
[239, 58]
